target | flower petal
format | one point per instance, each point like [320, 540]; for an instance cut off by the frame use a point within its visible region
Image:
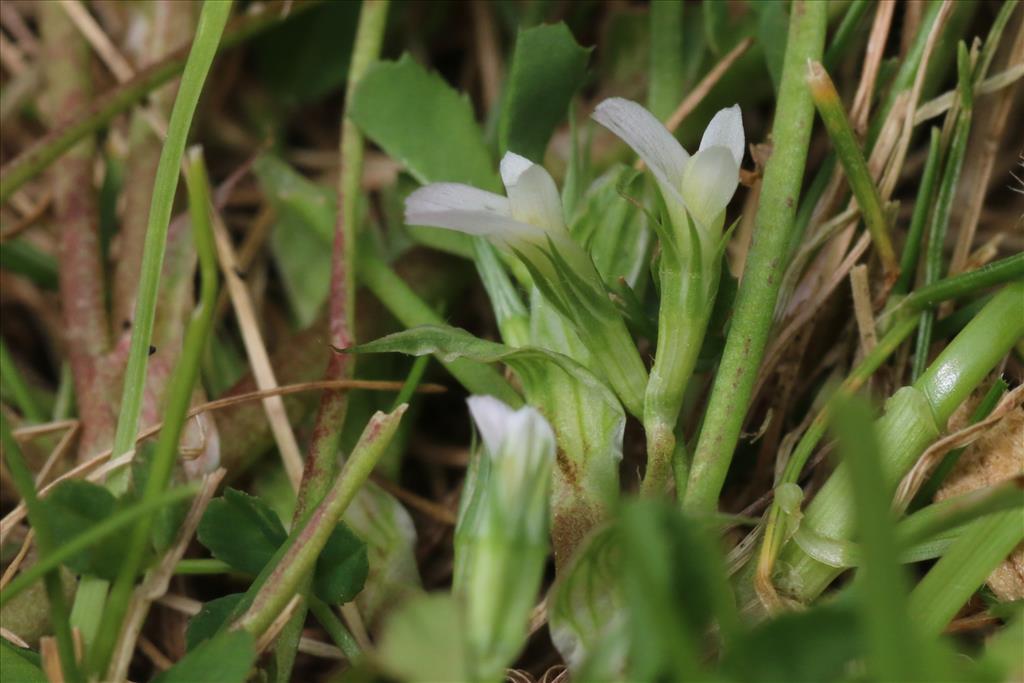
[726, 130]
[523, 464]
[709, 182]
[492, 418]
[532, 192]
[642, 131]
[469, 210]
[453, 198]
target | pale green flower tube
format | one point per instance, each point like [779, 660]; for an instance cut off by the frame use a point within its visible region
[695, 190]
[501, 540]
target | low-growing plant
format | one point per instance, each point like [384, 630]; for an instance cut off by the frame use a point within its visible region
[685, 452]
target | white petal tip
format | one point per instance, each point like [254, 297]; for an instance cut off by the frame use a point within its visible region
[492, 418]
[726, 130]
[512, 167]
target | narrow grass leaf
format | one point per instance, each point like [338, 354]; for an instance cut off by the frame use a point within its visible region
[40, 520]
[204, 47]
[962, 570]
[894, 651]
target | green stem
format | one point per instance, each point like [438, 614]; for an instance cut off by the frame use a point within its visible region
[334, 627]
[321, 466]
[986, 406]
[957, 286]
[204, 48]
[972, 354]
[687, 298]
[281, 579]
[774, 535]
[922, 209]
[755, 302]
[179, 394]
[412, 381]
[36, 158]
[23, 482]
[830, 108]
[943, 207]
[913, 420]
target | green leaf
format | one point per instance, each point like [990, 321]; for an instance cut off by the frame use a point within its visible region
[307, 57]
[210, 618]
[303, 231]
[441, 142]
[798, 647]
[342, 567]
[452, 343]
[225, 658]
[245, 532]
[548, 66]
[241, 530]
[312, 205]
[772, 23]
[716, 25]
[612, 228]
[422, 122]
[422, 641]
[675, 587]
[17, 665]
[74, 506]
[21, 257]
[586, 609]
[1002, 651]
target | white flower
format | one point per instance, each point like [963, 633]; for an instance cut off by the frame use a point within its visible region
[521, 447]
[526, 221]
[703, 183]
[529, 222]
[501, 540]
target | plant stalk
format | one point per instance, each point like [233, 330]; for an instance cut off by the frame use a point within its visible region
[914, 418]
[179, 394]
[766, 263]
